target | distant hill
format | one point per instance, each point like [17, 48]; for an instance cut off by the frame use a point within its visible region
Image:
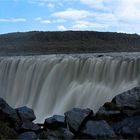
[67, 42]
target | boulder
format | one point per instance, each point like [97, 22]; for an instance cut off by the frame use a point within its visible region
[47, 135]
[129, 99]
[26, 114]
[122, 106]
[29, 126]
[128, 128]
[76, 117]
[111, 106]
[54, 122]
[43, 135]
[27, 136]
[130, 112]
[6, 132]
[109, 115]
[67, 134]
[57, 134]
[9, 115]
[97, 130]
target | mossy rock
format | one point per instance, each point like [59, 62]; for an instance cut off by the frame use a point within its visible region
[6, 132]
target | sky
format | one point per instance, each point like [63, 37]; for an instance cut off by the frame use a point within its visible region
[60, 15]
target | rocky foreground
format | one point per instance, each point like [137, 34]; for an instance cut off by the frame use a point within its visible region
[118, 119]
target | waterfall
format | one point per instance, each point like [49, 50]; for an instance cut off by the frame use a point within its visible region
[53, 84]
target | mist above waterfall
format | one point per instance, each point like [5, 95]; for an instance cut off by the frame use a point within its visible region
[53, 84]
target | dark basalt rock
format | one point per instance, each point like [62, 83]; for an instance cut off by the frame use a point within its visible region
[129, 99]
[9, 115]
[28, 136]
[122, 106]
[60, 133]
[7, 132]
[109, 115]
[29, 126]
[76, 117]
[130, 113]
[48, 135]
[54, 122]
[97, 130]
[43, 135]
[128, 128]
[26, 113]
[111, 106]
[67, 134]
[7, 112]
[119, 119]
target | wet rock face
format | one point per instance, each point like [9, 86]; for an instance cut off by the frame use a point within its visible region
[128, 128]
[29, 126]
[54, 122]
[109, 115]
[123, 113]
[76, 117]
[26, 113]
[59, 133]
[6, 132]
[97, 129]
[129, 99]
[28, 136]
[8, 112]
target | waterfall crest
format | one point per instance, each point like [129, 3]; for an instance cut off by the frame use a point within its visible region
[54, 84]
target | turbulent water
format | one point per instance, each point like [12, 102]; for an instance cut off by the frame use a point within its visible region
[54, 84]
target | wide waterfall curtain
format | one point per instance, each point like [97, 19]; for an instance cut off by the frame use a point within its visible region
[53, 84]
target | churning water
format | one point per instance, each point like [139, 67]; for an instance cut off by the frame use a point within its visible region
[53, 84]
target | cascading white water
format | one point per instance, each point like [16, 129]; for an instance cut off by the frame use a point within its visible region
[54, 84]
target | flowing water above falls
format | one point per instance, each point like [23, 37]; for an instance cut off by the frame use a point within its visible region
[53, 84]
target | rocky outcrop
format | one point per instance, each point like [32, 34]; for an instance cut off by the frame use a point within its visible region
[54, 122]
[29, 126]
[28, 136]
[118, 119]
[76, 117]
[97, 130]
[129, 128]
[123, 114]
[7, 132]
[26, 113]
[7, 112]
[129, 99]
[56, 134]
[9, 115]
